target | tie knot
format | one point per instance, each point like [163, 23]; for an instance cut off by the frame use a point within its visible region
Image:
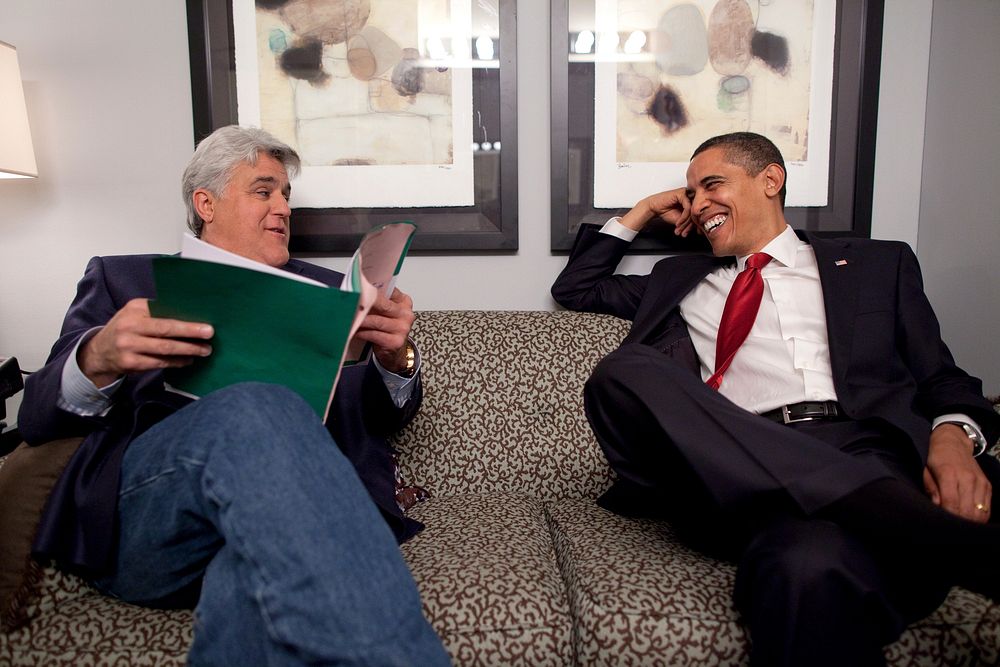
[758, 260]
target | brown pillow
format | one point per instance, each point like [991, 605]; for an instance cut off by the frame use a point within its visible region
[26, 479]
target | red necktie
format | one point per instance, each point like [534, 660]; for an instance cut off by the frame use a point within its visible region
[739, 314]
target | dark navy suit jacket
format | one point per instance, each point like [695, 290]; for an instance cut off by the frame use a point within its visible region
[78, 527]
[888, 359]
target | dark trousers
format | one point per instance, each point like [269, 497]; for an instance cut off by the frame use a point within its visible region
[749, 489]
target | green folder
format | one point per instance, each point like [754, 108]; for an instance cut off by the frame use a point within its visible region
[268, 328]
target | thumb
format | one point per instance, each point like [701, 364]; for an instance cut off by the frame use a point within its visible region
[931, 486]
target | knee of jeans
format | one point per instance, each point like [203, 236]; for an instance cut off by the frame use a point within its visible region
[258, 405]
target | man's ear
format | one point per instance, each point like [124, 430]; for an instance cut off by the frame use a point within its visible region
[204, 204]
[774, 179]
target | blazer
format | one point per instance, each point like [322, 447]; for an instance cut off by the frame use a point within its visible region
[887, 356]
[78, 526]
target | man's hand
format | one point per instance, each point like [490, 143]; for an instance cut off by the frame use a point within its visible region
[386, 327]
[952, 477]
[134, 341]
[671, 206]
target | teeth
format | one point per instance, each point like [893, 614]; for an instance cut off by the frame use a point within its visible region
[715, 221]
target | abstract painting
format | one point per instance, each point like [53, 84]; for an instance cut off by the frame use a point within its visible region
[668, 75]
[375, 95]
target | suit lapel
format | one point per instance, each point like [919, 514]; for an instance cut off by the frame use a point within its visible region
[840, 273]
[670, 282]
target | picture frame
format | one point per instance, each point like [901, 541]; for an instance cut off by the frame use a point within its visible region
[487, 226]
[856, 66]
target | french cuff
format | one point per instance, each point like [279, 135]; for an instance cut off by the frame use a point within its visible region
[614, 227]
[400, 388]
[77, 394]
[979, 444]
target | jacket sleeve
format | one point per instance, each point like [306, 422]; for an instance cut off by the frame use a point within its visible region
[365, 387]
[589, 283]
[942, 387]
[40, 419]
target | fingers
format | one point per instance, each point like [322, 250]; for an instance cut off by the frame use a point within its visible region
[133, 341]
[931, 487]
[966, 493]
[387, 327]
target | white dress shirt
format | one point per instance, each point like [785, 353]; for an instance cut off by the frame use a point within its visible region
[786, 356]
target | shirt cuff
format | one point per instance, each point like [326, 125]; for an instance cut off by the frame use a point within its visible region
[614, 227]
[961, 419]
[77, 394]
[400, 388]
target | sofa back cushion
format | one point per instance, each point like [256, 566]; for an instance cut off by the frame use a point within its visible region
[503, 403]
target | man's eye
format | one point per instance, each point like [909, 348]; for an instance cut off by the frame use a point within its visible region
[264, 193]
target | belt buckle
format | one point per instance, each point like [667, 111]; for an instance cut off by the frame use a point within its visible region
[787, 418]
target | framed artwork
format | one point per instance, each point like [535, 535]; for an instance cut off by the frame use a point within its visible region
[637, 85]
[399, 109]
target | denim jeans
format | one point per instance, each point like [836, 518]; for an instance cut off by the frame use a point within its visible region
[245, 495]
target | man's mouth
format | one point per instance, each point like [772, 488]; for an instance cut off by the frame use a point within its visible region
[280, 231]
[714, 222]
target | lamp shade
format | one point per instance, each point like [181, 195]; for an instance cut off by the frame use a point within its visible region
[17, 158]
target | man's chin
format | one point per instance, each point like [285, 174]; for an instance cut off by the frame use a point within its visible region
[277, 257]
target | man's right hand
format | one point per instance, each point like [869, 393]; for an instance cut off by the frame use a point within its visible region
[134, 341]
[671, 206]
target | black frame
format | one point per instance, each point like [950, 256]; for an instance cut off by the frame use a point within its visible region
[852, 152]
[488, 226]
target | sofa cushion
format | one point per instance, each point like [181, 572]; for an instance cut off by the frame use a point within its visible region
[487, 574]
[73, 624]
[26, 479]
[638, 596]
[503, 403]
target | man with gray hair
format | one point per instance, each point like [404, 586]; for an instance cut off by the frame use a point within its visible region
[241, 502]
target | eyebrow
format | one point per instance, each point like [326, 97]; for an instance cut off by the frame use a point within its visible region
[270, 180]
[707, 180]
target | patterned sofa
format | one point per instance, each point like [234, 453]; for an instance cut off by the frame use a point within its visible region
[518, 566]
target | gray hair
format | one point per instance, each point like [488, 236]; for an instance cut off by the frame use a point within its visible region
[220, 153]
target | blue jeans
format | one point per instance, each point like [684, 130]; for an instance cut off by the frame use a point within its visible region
[245, 494]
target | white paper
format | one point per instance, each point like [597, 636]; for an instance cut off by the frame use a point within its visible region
[195, 248]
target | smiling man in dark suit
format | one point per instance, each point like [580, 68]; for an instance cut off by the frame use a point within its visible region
[241, 501]
[789, 401]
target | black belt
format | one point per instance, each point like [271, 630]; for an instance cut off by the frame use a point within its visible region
[805, 411]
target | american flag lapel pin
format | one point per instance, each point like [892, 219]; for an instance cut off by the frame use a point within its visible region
[841, 262]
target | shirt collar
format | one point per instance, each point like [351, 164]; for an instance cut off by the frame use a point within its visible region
[783, 248]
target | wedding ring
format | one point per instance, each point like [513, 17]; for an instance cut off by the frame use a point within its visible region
[981, 507]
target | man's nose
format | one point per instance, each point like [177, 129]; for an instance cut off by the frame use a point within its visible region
[698, 204]
[281, 206]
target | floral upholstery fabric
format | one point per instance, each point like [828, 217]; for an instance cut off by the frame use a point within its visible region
[503, 403]
[487, 574]
[73, 625]
[518, 565]
[639, 597]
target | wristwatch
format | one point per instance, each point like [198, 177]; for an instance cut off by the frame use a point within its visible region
[411, 361]
[978, 441]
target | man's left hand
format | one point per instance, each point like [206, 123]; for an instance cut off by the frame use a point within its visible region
[953, 478]
[386, 327]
